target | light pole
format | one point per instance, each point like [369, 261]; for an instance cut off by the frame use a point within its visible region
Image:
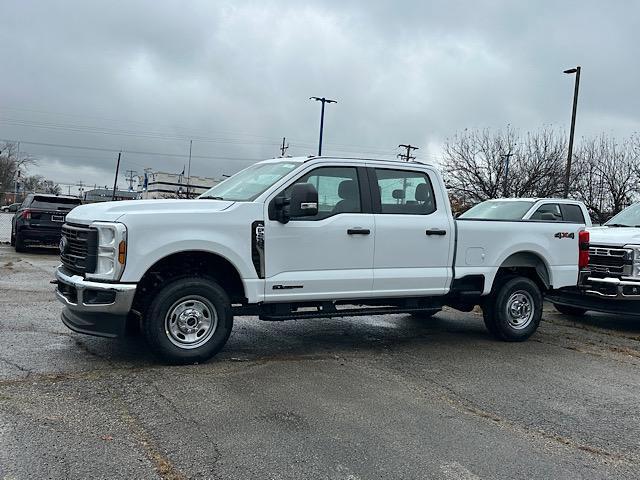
[506, 157]
[567, 173]
[323, 100]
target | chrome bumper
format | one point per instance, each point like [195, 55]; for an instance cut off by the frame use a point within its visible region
[613, 288]
[75, 291]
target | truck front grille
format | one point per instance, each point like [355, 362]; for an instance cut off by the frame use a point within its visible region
[611, 261]
[79, 248]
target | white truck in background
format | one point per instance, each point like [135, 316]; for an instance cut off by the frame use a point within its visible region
[613, 282]
[294, 238]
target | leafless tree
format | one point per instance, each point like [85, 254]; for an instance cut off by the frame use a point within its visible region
[475, 164]
[606, 175]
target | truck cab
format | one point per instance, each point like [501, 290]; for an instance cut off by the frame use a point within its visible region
[304, 237]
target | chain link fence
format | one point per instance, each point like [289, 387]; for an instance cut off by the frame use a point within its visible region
[7, 199]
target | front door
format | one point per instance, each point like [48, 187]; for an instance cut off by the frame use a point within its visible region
[413, 254]
[329, 255]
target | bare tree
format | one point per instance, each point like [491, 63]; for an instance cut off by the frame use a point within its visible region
[475, 164]
[606, 176]
[12, 164]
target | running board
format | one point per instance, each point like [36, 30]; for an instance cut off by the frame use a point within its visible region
[279, 314]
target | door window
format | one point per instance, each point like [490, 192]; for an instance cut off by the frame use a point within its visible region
[338, 191]
[549, 212]
[405, 192]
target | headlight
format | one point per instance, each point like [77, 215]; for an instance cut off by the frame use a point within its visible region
[635, 272]
[111, 252]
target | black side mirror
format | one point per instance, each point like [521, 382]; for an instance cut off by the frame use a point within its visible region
[304, 200]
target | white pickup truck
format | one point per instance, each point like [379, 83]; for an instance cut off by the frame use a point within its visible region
[304, 237]
[613, 282]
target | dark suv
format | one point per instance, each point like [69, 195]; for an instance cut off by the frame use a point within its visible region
[39, 219]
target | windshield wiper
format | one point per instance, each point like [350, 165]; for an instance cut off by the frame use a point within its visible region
[213, 198]
[617, 225]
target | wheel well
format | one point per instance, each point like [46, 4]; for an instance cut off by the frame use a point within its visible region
[527, 264]
[189, 263]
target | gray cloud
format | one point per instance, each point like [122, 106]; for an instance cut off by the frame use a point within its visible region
[235, 76]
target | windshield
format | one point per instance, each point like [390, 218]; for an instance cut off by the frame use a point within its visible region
[498, 210]
[629, 217]
[248, 184]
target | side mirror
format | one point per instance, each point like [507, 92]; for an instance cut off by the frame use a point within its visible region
[304, 200]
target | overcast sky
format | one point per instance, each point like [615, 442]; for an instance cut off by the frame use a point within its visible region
[236, 76]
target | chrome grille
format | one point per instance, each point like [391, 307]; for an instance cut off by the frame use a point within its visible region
[78, 248]
[611, 261]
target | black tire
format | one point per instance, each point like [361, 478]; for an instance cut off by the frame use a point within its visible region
[514, 309]
[13, 238]
[19, 243]
[424, 314]
[572, 311]
[162, 331]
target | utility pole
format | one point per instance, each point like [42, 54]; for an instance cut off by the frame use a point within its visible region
[115, 181]
[323, 100]
[189, 168]
[80, 188]
[567, 173]
[130, 177]
[506, 157]
[284, 147]
[407, 156]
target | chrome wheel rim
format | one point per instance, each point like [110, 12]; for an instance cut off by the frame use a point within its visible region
[190, 322]
[520, 309]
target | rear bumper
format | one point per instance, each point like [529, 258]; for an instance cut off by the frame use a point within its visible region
[40, 234]
[94, 308]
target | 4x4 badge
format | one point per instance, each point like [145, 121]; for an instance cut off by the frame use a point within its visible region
[562, 235]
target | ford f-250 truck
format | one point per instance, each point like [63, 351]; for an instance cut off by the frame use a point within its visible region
[613, 283]
[304, 237]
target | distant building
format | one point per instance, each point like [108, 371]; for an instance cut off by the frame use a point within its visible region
[106, 195]
[172, 185]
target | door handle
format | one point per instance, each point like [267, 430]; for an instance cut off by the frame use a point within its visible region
[358, 231]
[436, 231]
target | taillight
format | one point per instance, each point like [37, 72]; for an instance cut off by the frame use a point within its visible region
[583, 249]
[26, 214]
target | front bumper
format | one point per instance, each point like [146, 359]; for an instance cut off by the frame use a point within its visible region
[608, 295]
[94, 308]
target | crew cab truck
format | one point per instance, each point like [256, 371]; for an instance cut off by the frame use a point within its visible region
[303, 237]
[613, 282]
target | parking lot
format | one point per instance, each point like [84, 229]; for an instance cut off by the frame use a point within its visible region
[354, 398]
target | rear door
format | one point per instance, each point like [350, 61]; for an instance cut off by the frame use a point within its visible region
[328, 255]
[414, 233]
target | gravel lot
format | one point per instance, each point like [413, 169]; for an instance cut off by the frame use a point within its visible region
[353, 398]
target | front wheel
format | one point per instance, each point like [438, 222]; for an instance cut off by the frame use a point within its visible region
[188, 321]
[514, 309]
[572, 311]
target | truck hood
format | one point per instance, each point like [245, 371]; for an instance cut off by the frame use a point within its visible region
[614, 236]
[112, 211]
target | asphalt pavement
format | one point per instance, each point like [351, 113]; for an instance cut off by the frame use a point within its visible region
[353, 398]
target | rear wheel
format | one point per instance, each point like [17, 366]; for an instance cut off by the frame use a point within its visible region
[188, 321]
[514, 309]
[13, 238]
[572, 311]
[19, 243]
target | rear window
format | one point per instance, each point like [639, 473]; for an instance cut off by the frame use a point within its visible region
[498, 210]
[573, 213]
[53, 203]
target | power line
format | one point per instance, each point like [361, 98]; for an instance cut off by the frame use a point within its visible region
[130, 177]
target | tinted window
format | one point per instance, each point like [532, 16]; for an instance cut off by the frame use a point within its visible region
[338, 190]
[498, 210]
[573, 213]
[54, 203]
[405, 192]
[549, 212]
